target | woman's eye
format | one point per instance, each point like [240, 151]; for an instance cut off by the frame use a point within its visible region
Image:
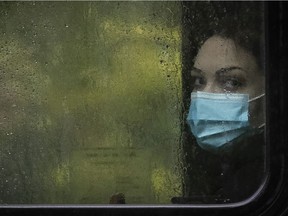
[231, 83]
[198, 82]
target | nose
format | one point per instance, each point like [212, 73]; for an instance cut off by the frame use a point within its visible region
[212, 87]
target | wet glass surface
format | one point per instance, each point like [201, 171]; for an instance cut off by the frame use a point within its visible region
[95, 98]
[90, 102]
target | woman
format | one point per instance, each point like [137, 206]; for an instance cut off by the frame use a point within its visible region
[226, 113]
[227, 81]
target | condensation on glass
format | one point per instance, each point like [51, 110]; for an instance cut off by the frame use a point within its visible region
[90, 102]
[94, 100]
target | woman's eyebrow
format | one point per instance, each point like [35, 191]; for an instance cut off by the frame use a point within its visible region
[228, 69]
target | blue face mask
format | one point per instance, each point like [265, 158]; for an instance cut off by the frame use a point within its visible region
[217, 119]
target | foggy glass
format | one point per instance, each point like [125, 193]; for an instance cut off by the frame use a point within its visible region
[90, 102]
[94, 100]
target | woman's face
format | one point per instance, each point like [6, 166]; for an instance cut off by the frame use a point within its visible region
[222, 66]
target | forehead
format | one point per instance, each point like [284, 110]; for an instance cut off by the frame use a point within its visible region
[218, 52]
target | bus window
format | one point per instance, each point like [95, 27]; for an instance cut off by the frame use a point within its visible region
[132, 102]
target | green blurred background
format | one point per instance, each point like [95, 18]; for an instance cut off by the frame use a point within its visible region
[90, 102]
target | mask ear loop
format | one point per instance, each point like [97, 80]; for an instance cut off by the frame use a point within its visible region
[256, 98]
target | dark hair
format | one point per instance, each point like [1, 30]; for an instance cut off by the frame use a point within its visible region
[242, 22]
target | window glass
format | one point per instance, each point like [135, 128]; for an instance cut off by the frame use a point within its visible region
[90, 102]
[136, 102]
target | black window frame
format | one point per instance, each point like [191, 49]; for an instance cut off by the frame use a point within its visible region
[273, 199]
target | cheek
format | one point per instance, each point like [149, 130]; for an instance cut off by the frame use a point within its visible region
[255, 87]
[256, 108]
